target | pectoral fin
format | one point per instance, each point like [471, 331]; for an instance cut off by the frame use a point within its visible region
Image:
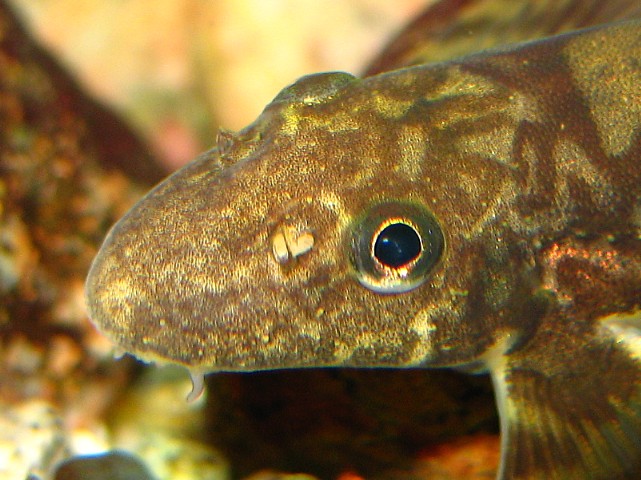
[570, 402]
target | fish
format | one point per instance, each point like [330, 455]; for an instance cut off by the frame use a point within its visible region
[480, 213]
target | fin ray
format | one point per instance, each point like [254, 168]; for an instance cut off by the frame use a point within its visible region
[571, 407]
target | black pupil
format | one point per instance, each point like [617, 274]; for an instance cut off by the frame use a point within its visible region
[397, 245]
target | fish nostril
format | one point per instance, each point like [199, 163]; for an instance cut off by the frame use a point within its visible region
[288, 244]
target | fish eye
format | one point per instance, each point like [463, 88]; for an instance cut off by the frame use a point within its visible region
[395, 246]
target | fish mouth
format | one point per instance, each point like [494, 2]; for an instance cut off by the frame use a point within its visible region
[182, 279]
[196, 329]
[155, 281]
[169, 317]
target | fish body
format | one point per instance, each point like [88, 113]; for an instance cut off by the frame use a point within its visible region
[483, 212]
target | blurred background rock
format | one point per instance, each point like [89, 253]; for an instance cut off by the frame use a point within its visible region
[177, 69]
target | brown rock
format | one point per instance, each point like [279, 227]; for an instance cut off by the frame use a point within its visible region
[66, 165]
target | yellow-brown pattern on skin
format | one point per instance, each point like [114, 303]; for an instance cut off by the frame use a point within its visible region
[612, 93]
[539, 217]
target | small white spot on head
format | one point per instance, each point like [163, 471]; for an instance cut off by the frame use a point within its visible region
[423, 326]
[289, 243]
[302, 244]
[279, 248]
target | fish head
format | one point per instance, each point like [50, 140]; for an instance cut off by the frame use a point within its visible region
[361, 222]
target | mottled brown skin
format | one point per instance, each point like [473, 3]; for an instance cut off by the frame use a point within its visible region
[528, 159]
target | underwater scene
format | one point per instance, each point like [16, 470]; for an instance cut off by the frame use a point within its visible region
[308, 240]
